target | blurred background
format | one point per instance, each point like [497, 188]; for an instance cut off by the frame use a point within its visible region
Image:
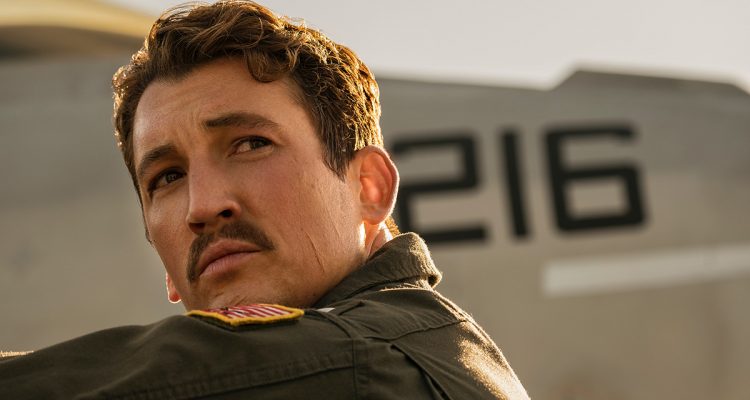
[580, 170]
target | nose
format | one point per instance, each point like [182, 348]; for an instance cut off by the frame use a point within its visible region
[211, 203]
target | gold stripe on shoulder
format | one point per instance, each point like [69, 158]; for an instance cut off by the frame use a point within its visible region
[4, 354]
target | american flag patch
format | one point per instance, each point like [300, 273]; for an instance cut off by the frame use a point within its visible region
[250, 314]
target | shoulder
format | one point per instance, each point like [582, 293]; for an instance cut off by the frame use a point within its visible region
[442, 340]
[392, 313]
[198, 356]
[179, 354]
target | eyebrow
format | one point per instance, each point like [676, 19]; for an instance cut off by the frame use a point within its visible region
[239, 119]
[153, 156]
[231, 119]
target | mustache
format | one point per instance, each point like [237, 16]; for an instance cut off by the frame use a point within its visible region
[236, 230]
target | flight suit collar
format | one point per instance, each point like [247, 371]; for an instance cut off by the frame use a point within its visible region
[403, 258]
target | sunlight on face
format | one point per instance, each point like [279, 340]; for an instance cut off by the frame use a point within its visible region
[236, 197]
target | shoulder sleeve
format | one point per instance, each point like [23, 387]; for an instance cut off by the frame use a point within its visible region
[193, 357]
[381, 370]
[184, 357]
[452, 351]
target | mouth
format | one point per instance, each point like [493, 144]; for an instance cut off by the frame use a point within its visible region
[222, 256]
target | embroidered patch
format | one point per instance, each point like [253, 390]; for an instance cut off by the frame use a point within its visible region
[250, 314]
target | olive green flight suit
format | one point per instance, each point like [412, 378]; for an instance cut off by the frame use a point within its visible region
[382, 333]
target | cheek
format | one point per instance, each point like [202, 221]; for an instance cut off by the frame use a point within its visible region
[282, 190]
[162, 221]
[167, 228]
[316, 197]
[300, 201]
[327, 210]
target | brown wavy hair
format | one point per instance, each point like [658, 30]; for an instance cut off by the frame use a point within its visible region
[335, 86]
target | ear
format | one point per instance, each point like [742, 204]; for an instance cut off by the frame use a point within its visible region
[378, 183]
[172, 294]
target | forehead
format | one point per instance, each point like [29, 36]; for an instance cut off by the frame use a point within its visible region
[214, 89]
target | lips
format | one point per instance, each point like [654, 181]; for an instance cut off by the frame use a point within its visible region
[220, 249]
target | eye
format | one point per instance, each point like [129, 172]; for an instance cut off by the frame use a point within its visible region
[251, 143]
[164, 179]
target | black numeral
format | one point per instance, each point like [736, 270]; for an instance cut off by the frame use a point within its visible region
[562, 176]
[468, 180]
[514, 182]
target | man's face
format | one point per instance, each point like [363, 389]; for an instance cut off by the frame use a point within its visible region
[236, 197]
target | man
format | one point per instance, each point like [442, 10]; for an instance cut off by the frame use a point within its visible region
[255, 149]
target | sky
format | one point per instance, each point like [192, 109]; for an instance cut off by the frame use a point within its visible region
[531, 43]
